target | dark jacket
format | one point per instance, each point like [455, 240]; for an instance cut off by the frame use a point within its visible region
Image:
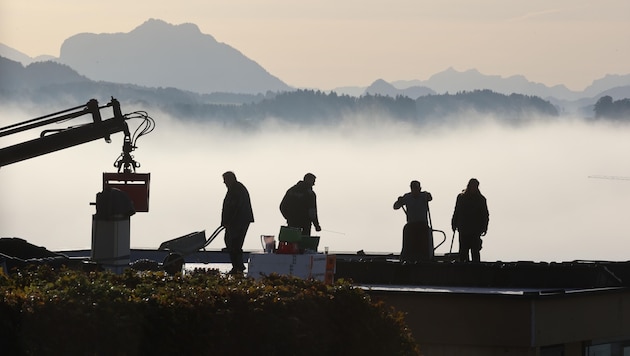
[471, 213]
[299, 204]
[237, 207]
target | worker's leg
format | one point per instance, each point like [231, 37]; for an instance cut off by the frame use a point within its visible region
[235, 237]
[476, 248]
[405, 252]
[464, 246]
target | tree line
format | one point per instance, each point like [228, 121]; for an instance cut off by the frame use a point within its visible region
[311, 107]
[608, 108]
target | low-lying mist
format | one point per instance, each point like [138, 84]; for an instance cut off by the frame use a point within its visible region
[543, 205]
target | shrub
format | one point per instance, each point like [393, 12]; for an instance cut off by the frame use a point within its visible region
[61, 311]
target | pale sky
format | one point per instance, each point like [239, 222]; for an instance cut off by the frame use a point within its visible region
[330, 43]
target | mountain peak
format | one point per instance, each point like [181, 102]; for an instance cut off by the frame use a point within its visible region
[153, 26]
[381, 87]
[159, 54]
[381, 84]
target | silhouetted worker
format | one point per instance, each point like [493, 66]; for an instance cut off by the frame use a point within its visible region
[470, 218]
[417, 242]
[235, 217]
[299, 205]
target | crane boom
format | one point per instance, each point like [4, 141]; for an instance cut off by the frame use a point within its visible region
[58, 139]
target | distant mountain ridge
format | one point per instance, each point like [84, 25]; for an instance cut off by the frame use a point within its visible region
[381, 87]
[15, 55]
[452, 81]
[16, 77]
[158, 54]
[161, 55]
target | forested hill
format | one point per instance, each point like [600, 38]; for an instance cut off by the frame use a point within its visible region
[310, 107]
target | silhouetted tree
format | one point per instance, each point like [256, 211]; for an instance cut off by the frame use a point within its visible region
[606, 108]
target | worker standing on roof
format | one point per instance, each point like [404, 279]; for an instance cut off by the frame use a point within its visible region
[236, 216]
[299, 205]
[416, 245]
[470, 218]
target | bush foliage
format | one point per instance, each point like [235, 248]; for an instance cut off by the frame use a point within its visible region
[61, 311]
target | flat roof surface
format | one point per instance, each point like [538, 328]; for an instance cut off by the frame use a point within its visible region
[481, 290]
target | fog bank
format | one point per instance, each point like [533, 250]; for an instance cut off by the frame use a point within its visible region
[543, 205]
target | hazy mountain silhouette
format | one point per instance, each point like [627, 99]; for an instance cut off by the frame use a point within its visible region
[158, 54]
[617, 92]
[57, 85]
[15, 55]
[616, 83]
[381, 87]
[453, 81]
[37, 75]
[158, 58]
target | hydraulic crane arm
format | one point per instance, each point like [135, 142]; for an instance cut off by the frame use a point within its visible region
[58, 139]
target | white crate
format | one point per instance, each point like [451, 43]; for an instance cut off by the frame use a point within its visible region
[307, 266]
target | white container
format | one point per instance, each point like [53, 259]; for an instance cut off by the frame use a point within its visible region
[111, 243]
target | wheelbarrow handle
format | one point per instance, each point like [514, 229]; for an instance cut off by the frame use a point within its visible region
[214, 235]
[443, 239]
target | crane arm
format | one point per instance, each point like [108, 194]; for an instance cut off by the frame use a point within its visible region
[58, 139]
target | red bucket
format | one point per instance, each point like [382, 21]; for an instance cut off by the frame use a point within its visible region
[136, 185]
[288, 248]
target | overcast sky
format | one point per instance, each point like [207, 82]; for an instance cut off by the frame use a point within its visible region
[330, 43]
